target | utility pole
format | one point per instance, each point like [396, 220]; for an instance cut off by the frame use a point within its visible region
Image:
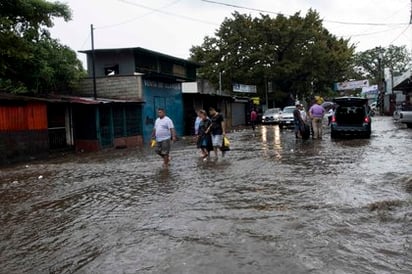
[93, 64]
[220, 83]
[410, 19]
[266, 92]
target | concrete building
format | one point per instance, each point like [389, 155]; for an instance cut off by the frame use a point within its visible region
[403, 84]
[140, 75]
[202, 95]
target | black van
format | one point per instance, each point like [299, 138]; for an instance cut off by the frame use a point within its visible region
[351, 117]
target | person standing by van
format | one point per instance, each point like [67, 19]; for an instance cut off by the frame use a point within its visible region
[316, 113]
[298, 121]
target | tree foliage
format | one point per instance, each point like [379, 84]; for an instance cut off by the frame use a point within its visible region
[30, 60]
[296, 53]
[396, 58]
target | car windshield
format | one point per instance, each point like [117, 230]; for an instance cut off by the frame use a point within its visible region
[288, 109]
[271, 111]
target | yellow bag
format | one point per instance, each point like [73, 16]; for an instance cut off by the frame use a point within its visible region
[153, 143]
[225, 144]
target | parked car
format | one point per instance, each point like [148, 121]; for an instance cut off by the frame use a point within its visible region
[351, 117]
[271, 116]
[286, 117]
[404, 115]
[374, 106]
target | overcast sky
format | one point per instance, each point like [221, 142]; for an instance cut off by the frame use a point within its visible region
[173, 26]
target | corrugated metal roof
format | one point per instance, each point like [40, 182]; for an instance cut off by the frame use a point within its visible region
[93, 101]
[403, 82]
[53, 98]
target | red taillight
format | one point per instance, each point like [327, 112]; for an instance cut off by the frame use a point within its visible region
[333, 119]
[367, 119]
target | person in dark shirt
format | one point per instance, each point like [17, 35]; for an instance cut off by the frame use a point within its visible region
[298, 121]
[204, 141]
[218, 129]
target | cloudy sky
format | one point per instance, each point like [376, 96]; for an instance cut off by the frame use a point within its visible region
[173, 26]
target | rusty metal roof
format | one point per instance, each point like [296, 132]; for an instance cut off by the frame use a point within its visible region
[55, 98]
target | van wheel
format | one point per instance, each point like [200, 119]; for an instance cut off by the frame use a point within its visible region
[334, 135]
[409, 125]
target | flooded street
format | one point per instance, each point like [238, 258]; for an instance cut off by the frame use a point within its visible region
[272, 205]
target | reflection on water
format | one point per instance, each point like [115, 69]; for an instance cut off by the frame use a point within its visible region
[271, 141]
[274, 204]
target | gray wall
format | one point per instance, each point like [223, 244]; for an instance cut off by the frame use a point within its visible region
[113, 87]
[124, 58]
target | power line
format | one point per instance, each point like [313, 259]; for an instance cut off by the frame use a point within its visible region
[368, 32]
[400, 34]
[138, 17]
[170, 13]
[241, 7]
[85, 40]
[371, 33]
[279, 13]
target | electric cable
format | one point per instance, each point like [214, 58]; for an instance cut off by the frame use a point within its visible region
[279, 13]
[138, 17]
[85, 41]
[400, 34]
[170, 13]
[371, 33]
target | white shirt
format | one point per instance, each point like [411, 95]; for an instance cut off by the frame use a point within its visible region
[162, 127]
[197, 124]
[303, 115]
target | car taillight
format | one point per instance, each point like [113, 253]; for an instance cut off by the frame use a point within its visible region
[367, 119]
[333, 119]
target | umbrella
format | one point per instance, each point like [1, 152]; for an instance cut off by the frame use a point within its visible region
[328, 105]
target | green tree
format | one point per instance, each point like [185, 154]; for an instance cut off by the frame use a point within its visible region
[396, 58]
[30, 60]
[296, 53]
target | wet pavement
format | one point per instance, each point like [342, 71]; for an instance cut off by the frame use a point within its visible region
[272, 205]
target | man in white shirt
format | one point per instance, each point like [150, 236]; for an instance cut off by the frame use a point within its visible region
[163, 131]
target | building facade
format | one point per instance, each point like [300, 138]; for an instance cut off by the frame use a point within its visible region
[142, 75]
[23, 128]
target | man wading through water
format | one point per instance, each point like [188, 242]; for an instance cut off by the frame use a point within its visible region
[218, 130]
[163, 131]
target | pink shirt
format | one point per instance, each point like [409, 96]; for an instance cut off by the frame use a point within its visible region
[253, 116]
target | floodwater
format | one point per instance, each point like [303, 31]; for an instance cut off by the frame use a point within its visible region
[272, 205]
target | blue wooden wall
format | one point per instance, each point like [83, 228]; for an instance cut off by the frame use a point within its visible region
[165, 95]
